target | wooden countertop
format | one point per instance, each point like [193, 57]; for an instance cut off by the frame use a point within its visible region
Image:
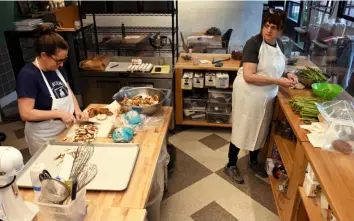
[284, 96]
[130, 203]
[336, 175]
[334, 170]
[231, 65]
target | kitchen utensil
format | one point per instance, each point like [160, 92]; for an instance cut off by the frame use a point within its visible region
[220, 60]
[54, 191]
[83, 154]
[44, 175]
[74, 190]
[326, 90]
[86, 176]
[130, 93]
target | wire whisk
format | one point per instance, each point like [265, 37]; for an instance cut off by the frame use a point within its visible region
[86, 176]
[83, 154]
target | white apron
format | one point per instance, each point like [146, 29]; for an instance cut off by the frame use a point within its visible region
[252, 106]
[36, 134]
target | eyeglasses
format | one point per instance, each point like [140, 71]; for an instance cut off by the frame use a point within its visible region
[59, 61]
[276, 11]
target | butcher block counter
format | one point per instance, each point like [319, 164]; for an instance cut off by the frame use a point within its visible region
[333, 170]
[127, 205]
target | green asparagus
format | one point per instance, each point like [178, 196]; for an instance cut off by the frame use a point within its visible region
[305, 107]
[312, 74]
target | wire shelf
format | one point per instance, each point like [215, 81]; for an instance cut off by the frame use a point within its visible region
[133, 14]
[132, 30]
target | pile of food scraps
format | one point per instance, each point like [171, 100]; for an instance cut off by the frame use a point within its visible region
[86, 133]
[99, 113]
[312, 74]
[141, 100]
[306, 107]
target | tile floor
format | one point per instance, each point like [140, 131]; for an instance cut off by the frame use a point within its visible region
[198, 190]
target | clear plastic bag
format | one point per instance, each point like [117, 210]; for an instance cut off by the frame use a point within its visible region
[339, 111]
[339, 116]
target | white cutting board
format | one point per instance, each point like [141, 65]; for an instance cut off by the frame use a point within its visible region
[103, 127]
[115, 163]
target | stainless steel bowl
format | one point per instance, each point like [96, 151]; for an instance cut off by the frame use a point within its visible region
[130, 93]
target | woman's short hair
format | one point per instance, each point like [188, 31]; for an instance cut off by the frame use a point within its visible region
[276, 17]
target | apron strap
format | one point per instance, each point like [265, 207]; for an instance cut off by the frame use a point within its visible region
[62, 78]
[45, 80]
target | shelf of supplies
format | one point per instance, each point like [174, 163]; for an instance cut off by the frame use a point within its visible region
[286, 150]
[312, 206]
[204, 123]
[279, 201]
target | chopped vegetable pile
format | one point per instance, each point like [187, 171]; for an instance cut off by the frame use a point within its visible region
[312, 74]
[305, 106]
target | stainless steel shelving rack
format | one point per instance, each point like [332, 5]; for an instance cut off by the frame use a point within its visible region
[97, 47]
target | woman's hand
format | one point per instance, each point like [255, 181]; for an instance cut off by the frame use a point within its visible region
[292, 76]
[66, 118]
[81, 116]
[285, 82]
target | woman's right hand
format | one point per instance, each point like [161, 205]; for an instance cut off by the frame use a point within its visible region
[285, 82]
[66, 118]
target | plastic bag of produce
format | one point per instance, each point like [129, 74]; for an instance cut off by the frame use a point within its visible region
[337, 111]
[339, 116]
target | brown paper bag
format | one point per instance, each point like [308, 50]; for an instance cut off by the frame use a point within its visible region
[95, 63]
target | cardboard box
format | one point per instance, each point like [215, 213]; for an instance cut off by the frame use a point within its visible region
[198, 80]
[187, 81]
[222, 80]
[311, 188]
[210, 79]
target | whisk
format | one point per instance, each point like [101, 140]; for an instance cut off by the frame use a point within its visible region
[82, 155]
[86, 176]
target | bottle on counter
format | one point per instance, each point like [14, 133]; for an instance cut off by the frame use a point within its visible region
[36, 183]
[123, 30]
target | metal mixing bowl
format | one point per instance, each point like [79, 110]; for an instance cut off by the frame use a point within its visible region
[130, 93]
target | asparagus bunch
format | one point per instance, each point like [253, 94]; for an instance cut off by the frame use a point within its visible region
[312, 74]
[305, 106]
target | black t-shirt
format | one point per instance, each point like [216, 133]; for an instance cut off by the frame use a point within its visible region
[251, 49]
[30, 84]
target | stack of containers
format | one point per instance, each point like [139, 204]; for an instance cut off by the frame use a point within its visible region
[219, 106]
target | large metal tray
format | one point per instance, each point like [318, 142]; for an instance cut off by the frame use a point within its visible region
[115, 164]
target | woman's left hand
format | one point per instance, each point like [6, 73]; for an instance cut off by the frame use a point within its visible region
[81, 116]
[292, 76]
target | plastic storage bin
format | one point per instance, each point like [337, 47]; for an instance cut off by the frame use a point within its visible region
[224, 108]
[219, 96]
[218, 118]
[194, 115]
[75, 211]
[194, 104]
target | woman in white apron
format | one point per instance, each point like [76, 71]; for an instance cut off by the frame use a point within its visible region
[45, 99]
[254, 92]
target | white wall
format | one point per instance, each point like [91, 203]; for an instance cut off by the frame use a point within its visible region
[197, 16]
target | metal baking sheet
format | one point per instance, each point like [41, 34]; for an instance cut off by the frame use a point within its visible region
[115, 164]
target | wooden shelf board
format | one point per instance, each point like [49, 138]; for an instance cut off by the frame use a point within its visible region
[278, 203]
[286, 150]
[204, 123]
[313, 210]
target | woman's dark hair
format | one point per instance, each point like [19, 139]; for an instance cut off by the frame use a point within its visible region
[276, 17]
[49, 41]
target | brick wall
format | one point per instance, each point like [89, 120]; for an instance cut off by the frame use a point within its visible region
[7, 77]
